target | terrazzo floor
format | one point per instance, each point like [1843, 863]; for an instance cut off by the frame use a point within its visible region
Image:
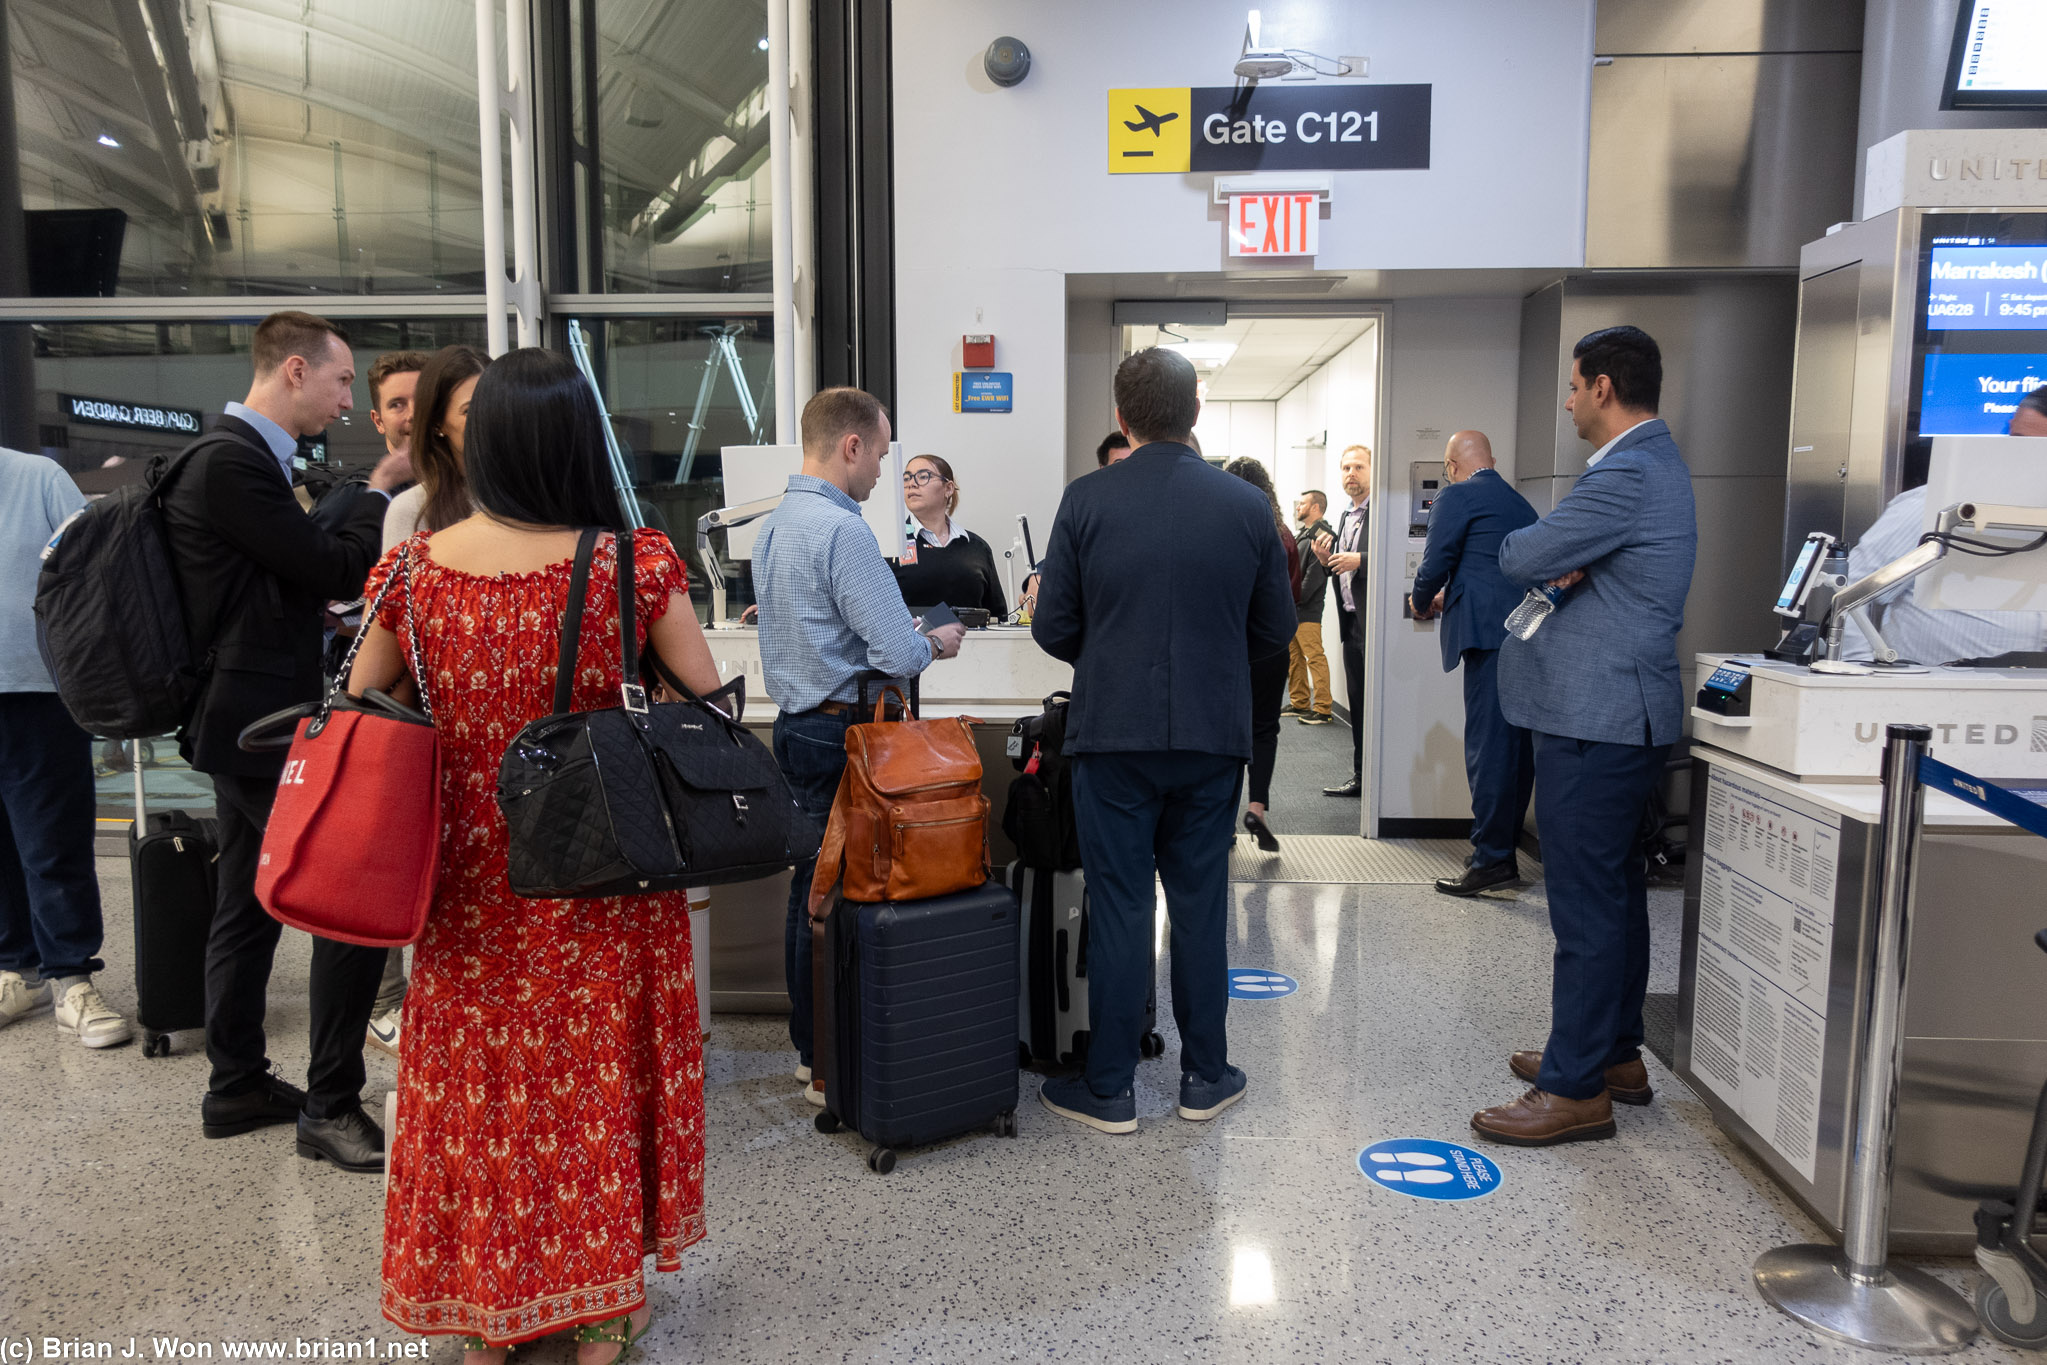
[1253, 1238]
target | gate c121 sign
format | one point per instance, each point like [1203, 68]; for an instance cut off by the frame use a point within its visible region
[1182, 129]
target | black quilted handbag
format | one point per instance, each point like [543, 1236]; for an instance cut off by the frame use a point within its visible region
[644, 796]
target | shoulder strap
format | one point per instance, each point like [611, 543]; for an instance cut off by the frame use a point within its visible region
[210, 440]
[831, 854]
[572, 622]
[628, 636]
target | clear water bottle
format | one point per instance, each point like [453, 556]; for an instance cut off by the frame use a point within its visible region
[1535, 608]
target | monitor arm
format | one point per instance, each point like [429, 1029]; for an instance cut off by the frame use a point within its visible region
[1856, 596]
[726, 519]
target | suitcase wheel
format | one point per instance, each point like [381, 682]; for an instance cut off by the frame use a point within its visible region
[1023, 1055]
[1151, 1045]
[1005, 1123]
[881, 1161]
[155, 1044]
[826, 1121]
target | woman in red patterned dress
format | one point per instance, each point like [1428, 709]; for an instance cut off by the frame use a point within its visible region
[551, 1109]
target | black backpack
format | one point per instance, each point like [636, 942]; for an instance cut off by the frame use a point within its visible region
[1039, 818]
[110, 623]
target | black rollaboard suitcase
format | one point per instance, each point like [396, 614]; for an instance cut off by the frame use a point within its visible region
[171, 859]
[917, 1014]
[1052, 1008]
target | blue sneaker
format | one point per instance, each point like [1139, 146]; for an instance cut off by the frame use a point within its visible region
[1201, 1100]
[1069, 1097]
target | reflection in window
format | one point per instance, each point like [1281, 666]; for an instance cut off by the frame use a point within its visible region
[681, 143]
[188, 147]
[142, 378]
[679, 391]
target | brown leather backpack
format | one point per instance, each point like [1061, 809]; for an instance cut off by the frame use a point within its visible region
[909, 821]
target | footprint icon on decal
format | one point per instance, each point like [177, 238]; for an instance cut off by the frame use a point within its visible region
[1428, 1169]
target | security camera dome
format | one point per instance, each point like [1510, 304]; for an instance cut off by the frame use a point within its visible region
[1264, 65]
[1008, 61]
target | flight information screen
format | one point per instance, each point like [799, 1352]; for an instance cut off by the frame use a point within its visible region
[1981, 334]
[1999, 59]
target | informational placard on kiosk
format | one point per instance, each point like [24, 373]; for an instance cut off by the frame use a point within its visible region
[1766, 939]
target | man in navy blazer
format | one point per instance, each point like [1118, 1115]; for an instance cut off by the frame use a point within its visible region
[1164, 577]
[1460, 578]
[1598, 685]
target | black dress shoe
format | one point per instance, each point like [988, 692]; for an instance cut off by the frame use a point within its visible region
[275, 1101]
[1351, 787]
[1477, 879]
[351, 1140]
[1261, 831]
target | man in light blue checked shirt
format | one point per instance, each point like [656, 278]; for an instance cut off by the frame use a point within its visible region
[829, 612]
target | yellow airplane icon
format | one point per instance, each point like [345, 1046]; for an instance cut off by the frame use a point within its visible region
[1148, 130]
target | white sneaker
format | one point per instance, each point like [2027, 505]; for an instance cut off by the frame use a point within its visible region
[814, 1094]
[802, 1073]
[19, 997]
[82, 1014]
[383, 1035]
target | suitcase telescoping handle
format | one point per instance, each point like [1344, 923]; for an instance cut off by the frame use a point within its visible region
[141, 801]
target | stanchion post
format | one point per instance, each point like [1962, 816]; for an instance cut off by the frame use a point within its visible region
[1852, 1293]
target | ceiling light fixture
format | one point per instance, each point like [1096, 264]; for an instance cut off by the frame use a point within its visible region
[107, 140]
[762, 45]
[1207, 355]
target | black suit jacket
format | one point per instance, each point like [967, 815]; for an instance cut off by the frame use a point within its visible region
[256, 574]
[1348, 627]
[1162, 580]
[1314, 576]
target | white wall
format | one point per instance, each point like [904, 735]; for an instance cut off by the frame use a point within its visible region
[1001, 193]
[1229, 429]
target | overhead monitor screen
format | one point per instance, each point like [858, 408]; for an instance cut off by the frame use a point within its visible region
[1999, 58]
[1980, 340]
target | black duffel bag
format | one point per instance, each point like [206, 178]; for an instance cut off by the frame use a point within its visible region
[645, 796]
[1039, 818]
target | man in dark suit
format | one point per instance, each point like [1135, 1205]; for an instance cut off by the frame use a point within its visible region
[1160, 725]
[1347, 555]
[1597, 682]
[1460, 579]
[256, 573]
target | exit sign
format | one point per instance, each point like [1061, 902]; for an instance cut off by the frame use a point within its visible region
[1274, 224]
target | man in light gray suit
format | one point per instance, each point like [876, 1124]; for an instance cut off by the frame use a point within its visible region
[1598, 686]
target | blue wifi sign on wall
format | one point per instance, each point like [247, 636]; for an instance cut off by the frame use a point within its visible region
[1428, 1169]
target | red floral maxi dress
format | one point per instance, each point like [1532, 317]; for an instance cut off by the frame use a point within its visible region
[551, 1100]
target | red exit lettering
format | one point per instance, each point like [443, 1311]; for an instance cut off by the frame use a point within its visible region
[1274, 224]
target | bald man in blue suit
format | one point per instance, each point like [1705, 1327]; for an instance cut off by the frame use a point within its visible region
[1460, 578]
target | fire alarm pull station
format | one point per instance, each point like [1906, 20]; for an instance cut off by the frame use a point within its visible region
[977, 351]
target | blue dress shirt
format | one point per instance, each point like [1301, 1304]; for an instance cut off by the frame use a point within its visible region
[284, 446]
[829, 607]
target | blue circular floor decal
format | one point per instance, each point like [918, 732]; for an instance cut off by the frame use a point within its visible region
[1428, 1169]
[1255, 983]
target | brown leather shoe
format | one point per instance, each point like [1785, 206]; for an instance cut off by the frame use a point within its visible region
[1628, 1083]
[1540, 1119]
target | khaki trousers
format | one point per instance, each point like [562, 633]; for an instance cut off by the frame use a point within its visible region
[1306, 664]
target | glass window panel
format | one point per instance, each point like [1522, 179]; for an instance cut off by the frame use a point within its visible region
[248, 146]
[682, 145]
[673, 388]
[147, 378]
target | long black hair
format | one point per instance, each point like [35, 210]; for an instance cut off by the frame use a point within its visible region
[534, 448]
[1254, 473]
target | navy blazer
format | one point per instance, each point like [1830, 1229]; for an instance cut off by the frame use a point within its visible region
[1466, 526]
[1604, 667]
[1163, 578]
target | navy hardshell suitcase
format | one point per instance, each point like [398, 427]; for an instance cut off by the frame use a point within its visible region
[917, 1014]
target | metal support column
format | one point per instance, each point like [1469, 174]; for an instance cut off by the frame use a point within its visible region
[1852, 1293]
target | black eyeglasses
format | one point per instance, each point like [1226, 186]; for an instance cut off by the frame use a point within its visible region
[920, 477]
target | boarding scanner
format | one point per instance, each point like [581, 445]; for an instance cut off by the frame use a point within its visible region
[1782, 871]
